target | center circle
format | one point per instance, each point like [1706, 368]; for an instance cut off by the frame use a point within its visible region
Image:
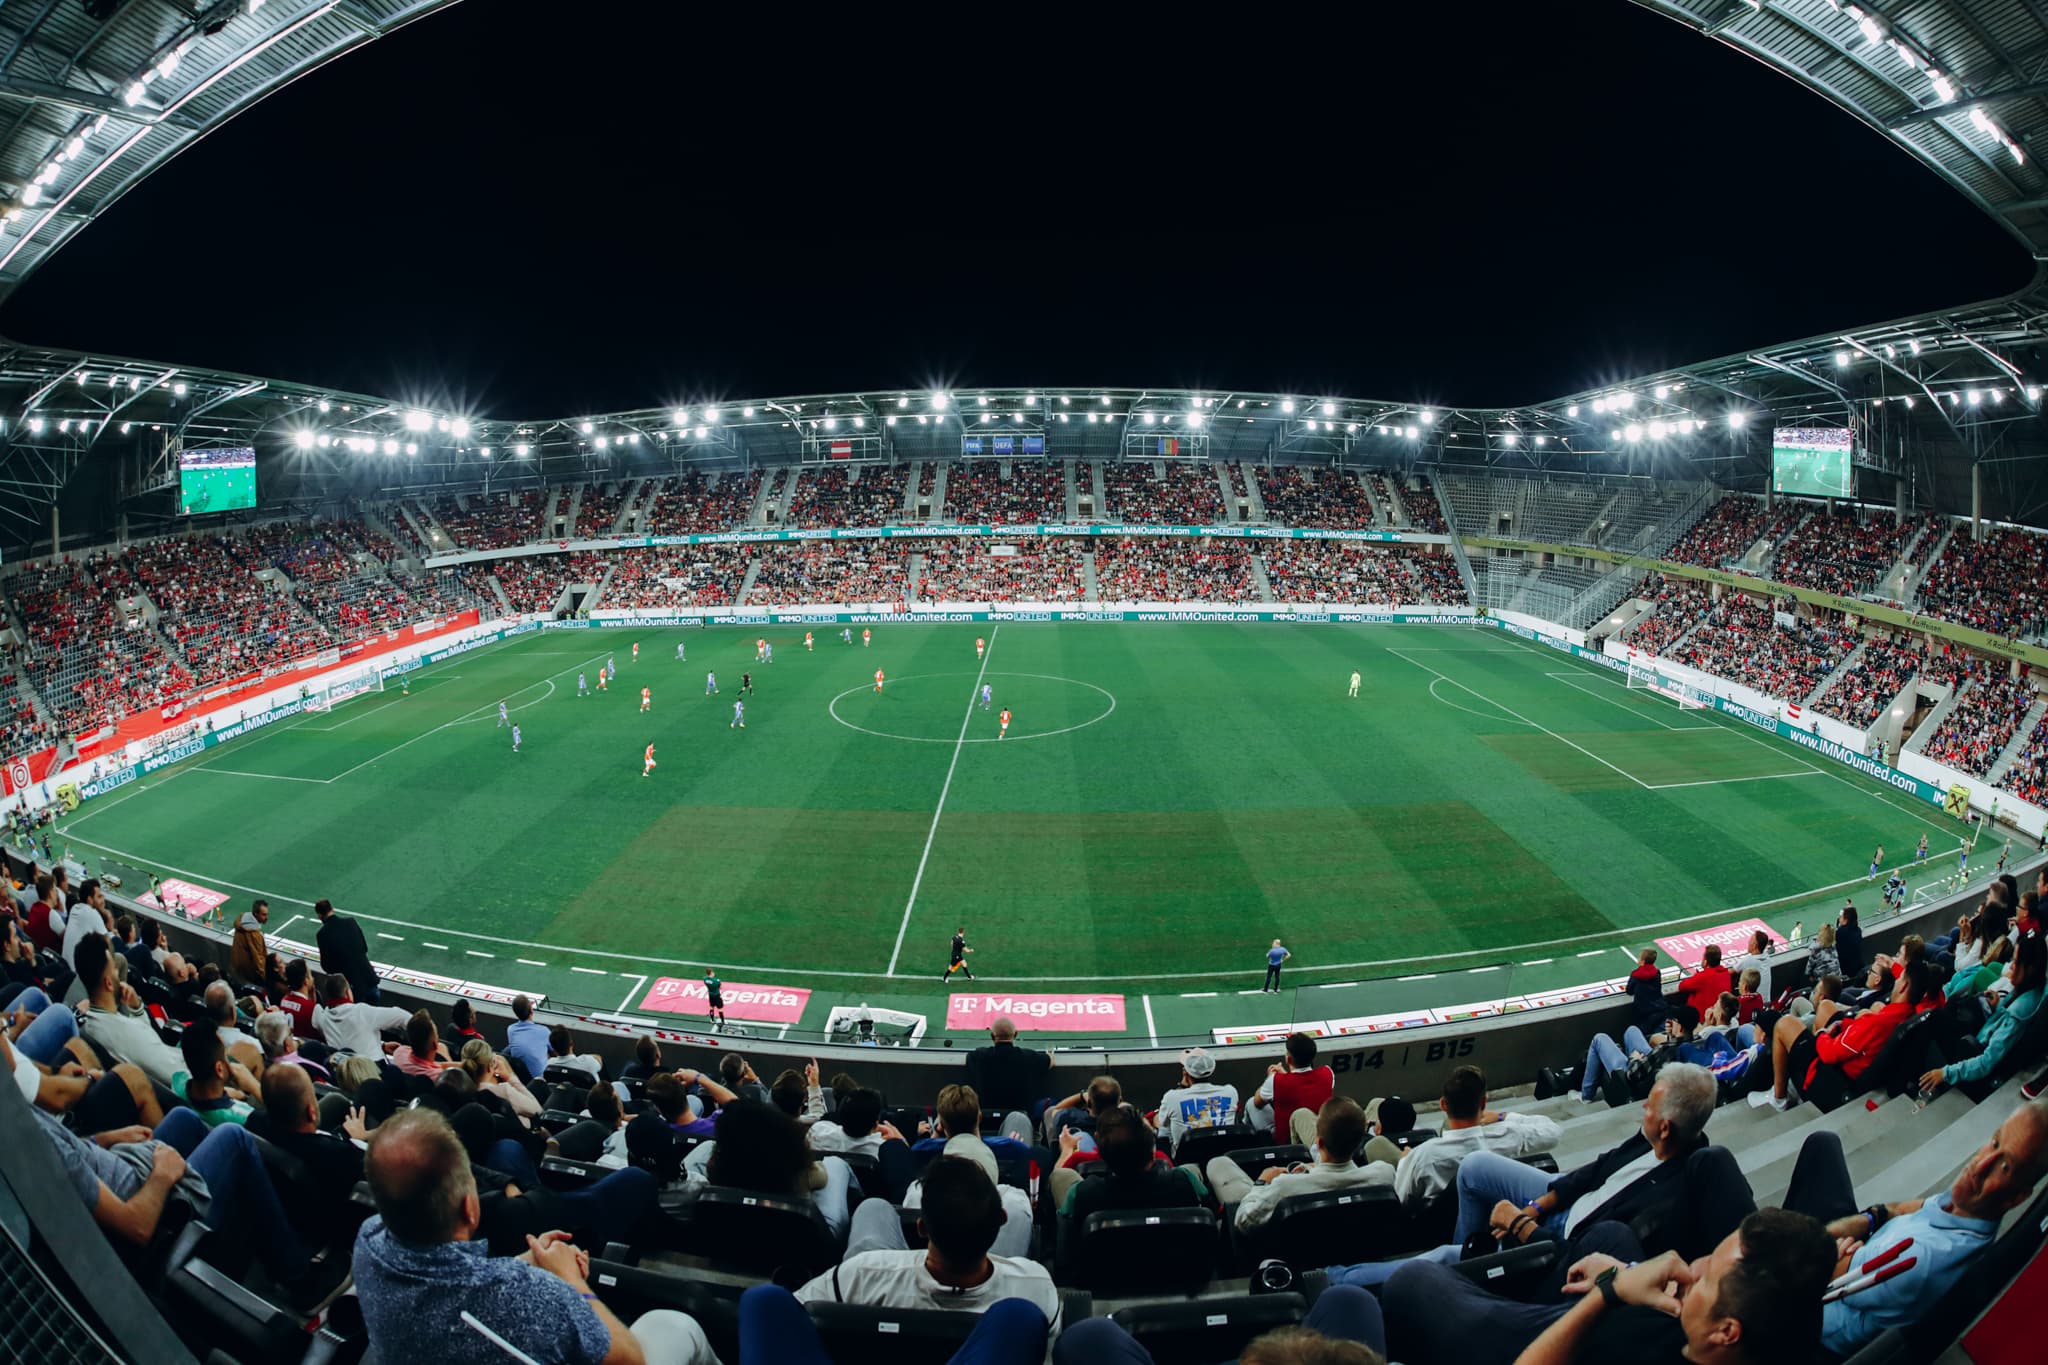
[1018, 734]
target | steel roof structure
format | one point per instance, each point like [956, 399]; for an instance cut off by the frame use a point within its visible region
[1947, 405]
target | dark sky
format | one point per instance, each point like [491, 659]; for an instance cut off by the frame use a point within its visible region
[540, 209]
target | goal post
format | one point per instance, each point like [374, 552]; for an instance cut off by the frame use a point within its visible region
[1644, 675]
[345, 688]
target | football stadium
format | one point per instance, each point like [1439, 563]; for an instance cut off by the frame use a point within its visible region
[1021, 870]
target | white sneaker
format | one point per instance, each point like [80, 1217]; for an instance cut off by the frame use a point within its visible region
[1759, 1098]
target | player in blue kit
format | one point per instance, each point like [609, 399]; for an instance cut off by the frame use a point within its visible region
[987, 694]
[503, 719]
[739, 715]
[582, 685]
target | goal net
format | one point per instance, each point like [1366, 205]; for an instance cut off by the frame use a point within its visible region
[1646, 676]
[345, 687]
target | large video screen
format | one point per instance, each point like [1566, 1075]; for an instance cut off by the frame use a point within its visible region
[1812, 460]
[216, 480]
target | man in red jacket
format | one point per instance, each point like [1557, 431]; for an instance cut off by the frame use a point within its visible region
[1829, 1059]
[1702, 990]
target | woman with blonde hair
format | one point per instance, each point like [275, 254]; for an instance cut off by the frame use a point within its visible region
[1824, 959]
[494, 1074]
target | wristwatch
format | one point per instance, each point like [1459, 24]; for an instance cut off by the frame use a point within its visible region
[1604, 1282]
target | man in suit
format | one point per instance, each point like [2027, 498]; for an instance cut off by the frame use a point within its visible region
[343, 950]
[1642, 1179]
[1010, 1079]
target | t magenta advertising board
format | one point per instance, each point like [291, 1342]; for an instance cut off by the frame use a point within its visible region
[1037, 1013]
[762, 1004]
[1687, 949]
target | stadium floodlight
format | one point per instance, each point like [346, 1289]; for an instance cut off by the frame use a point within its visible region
[64, 425]
[1625, 399]
[831, 424]
[1614, 435]
[1573, 410]
[1736, 419]
[390, 446]
[1413, 433]
[485, 452]
[1287, 405]
[1663, 391]
[1350, 427]
[681, 416]
[1104, 398]
[442, 424]
[1150, 418]
[325, 406]
[1657, 430]
[419, 421]
[1093, 418]
[1017, 416]
[134, 94]
[1599, 405]
[412, 448]
[984, 400]
[1030, 400]
[1427, 416]
[1973, 397]
[179, 388]
[892, 419]
[1910, 404]
[1998, 395]
[460, 428]
[75, 146]
[1891, 352]
[860, 421]
[938, 402]
[1508, 439]
[1540, 440]
[324, 441]
[1944, 88]
[588, 427]
[702, 432]
[749, 411]
[1914, 343]
[1329, 408]
[1632, 432]
[303, 439]
[1841, 360]
[1065, 401]
[522, 450]
[602, 442]
[2033, 393]
[1310, 424]
[632, 438]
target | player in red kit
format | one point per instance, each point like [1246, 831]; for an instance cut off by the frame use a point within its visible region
[865, 636]
[646, 698]
[878, 682]
[979, 645]
[1004, 722]
[650, 762]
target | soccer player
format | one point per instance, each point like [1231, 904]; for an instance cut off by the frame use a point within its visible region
[601, 676]
[1920, 853]
[739, 715]
[746, 684]
[636, 652]
[878, 682]
[846, 634]
[1876, 860]
[503, 719]
[979, 645]
[681, 657]
[515, 739]
[2003, 854]
[760, 651]
[771, 651]
[646, 699]
[1275, 955]
[611, 665]
[710, 684]
[960, 952]
[1895, 891]
[1003, 723]
[648, 763]
[405, 684]
[807, 642]
[714, 996]
[866, 636]
[987, 695]
[1354, 682]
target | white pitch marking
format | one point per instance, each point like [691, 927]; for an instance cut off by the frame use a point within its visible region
[1522, 718]
[1151, 1029]
[474, 953]
[587, 971]
[522, 961]
[442, 946]
[632, 990]
[393, 937]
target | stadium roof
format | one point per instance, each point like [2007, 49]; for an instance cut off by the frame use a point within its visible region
[1960, 84]
[96, 94]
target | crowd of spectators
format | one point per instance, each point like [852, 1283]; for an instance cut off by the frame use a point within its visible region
[674, 576]
[1026, 569]
[93, 659]
[833, 496]
[1358, 572]
[598, 512]
[1727, 531]
[786, 574]
[978, 495]
[1999, 584]
[1976, 731]
[534, 583]
[1858, 697]
[1742, 640]
[22, 728]
[492, 521]
[1173, 570]
[2027, 778]
[226, 621]
[1676, 606]
[694, 503]
[309, 555]
[1840, 550]
[1322, 499]
[1425, 513]
[1187, 496]
[353, 608]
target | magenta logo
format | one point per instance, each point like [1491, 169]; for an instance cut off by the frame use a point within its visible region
[762, 1004]
[1037, 1013]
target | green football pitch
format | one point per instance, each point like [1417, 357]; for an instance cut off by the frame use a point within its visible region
[1169, 799]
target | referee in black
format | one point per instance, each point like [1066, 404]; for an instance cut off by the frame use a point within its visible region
[960, 952]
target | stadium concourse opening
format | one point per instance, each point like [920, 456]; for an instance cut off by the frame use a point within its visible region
[1486, 818]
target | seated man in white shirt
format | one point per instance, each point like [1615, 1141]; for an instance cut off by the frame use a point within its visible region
[960, 1218]
[1430, 1169]
[347, 1026]
[1197, 1102]
[1340, 1135]
[855, 1126]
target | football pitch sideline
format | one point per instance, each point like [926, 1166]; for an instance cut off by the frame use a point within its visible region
[1168, 799]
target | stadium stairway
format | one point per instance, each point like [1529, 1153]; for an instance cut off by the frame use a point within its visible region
[1090, 589]
[2023, 732]
[1073, 487]
[572, 508]
[910, 481]
[498, 591]
[769, 492]
[1254, 501]
[1931, 726]
[1911, 596]
[417, 521]
[1259, 579]
[938, 489]
[1224, 490]
[788, 497]
[747, 583]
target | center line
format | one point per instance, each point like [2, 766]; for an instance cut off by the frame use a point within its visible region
[932, 833]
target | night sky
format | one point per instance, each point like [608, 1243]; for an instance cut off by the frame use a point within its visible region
[539, 210]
